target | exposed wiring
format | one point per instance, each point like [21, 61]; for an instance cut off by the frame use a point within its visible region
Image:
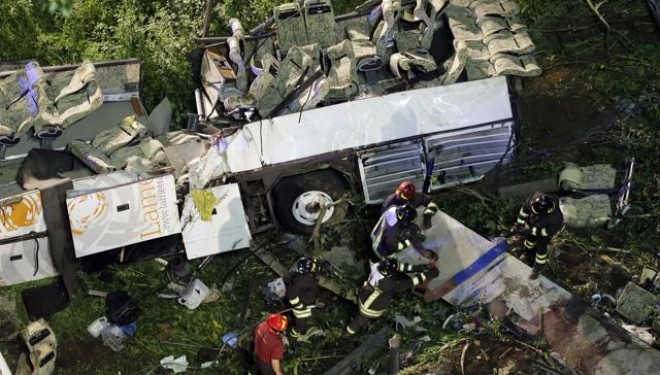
[36, 256]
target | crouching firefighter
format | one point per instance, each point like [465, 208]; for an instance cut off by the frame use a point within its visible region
[394, 232]
[302, 293]
[407, 194]
[378, 291]
[539, 219]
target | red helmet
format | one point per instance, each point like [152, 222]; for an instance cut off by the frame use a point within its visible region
[406, 190]
[277, 322]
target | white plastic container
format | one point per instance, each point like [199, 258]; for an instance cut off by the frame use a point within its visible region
[98, 326]
[194, 294]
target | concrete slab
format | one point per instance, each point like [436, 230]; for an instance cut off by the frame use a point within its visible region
[635, 303]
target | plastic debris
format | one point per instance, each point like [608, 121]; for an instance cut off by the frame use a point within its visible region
[176, 365]
[231, 339]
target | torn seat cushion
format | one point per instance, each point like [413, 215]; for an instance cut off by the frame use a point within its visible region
[342, 77]
[76, 93]
[141, 157]
[595, 178]
[290, 73]
[590, 211]
[411, 62]
[110, 140]
[91, 157]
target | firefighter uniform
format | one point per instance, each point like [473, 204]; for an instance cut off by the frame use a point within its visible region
[392, 234]
[301, 295]
[377, 293]
[539, 219]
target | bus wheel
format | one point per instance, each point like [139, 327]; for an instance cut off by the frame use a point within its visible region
[298, 200]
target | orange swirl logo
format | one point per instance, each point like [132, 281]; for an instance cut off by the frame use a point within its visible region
[85, 210]
[21, 214]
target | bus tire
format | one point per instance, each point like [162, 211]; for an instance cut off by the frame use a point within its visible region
[297, 200]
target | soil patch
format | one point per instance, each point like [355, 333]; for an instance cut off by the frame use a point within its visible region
[72, 353]
[487, 355]
[559, 123]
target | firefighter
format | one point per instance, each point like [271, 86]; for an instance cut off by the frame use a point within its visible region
[538, 221]
[378, 291]
[301, 293]
[394, 232]
[405, 193]
[269, 346]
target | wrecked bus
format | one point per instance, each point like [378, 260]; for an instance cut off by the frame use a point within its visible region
[320, 105]
[291, 117]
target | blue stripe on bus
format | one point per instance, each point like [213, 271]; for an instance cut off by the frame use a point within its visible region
[479, 264]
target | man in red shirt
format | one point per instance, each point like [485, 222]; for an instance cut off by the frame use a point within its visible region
[268, 346]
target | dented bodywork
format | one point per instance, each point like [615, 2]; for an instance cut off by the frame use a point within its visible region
[589, 342]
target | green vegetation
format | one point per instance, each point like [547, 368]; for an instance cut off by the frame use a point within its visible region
[612, 71]
[160, 33]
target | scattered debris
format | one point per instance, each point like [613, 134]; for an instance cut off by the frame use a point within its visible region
[177, 365]
[41, 345]
[194, 294]
[97, 326]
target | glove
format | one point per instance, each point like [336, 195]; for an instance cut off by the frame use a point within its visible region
[432, 273]
[517, 228]
[430, 255]
[406, 234]
[414, 228]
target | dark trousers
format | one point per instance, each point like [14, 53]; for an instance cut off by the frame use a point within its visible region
[261, 368]
[358, 322]
[299, 327]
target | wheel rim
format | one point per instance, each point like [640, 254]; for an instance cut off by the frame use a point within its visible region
[306, 208]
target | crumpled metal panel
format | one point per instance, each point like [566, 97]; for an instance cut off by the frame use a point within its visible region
[383, 170]
[468, 155]
[589, 342]
[369, 122]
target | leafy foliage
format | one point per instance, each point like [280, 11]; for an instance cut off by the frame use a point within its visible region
[159, 33]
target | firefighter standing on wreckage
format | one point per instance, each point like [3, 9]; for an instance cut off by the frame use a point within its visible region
[301, 293]
[539, 219]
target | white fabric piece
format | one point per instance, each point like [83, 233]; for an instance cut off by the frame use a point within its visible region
[176, 365]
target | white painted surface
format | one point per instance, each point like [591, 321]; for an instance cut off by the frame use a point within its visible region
[123, 215]
[4, 369]
[227, 230]
[25, 261]
[368, 122]
[103, 181]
